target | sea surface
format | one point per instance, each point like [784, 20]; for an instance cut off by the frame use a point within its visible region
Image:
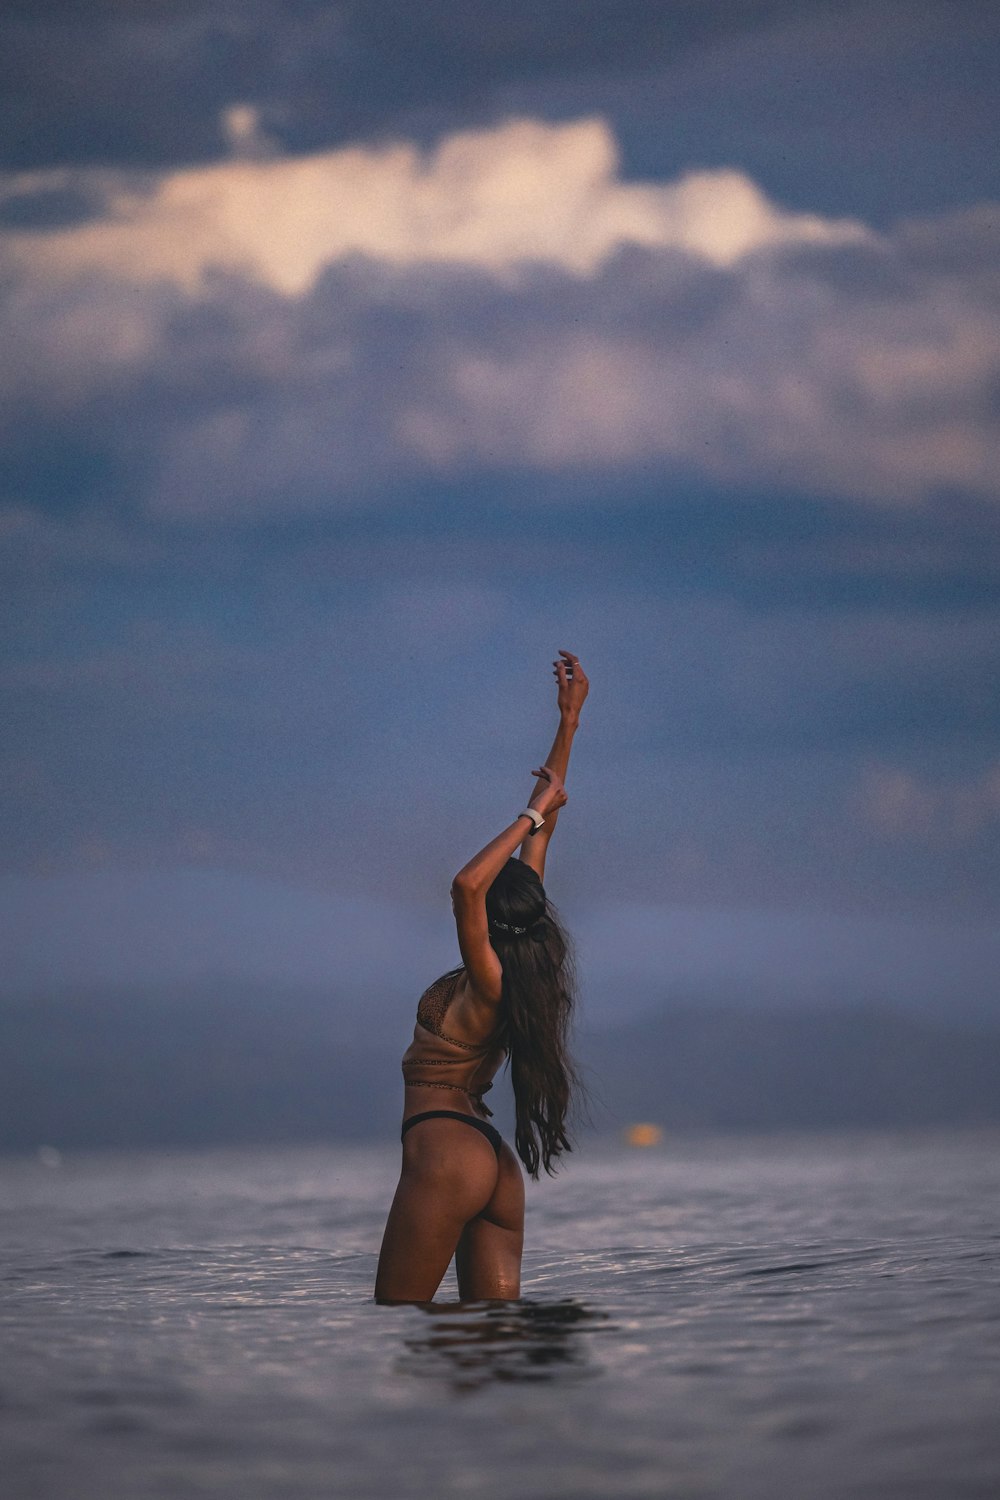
[767, 1317]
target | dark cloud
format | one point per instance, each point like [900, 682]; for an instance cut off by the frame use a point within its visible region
[224, 702]
[50, 207]
[877, 108]
[145, 83]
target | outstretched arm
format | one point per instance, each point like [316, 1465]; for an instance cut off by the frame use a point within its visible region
[469, 887]
[572, 690]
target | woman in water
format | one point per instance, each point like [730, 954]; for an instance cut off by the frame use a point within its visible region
[460, 1191]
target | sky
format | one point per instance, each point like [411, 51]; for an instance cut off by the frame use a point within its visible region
[357, 357]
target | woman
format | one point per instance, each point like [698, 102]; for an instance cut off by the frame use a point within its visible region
[460, 1192]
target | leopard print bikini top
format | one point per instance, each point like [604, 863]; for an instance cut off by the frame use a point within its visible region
[436, 1060]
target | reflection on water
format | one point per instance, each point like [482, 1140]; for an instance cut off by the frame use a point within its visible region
[472, 1344]
[788, 1318]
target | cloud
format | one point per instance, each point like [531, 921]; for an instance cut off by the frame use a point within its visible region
[907, 807]
[157, 79]
[496, 199]
[266, 337]
[748, 955]
[244, 133]
[150, 927]
[232, 709]
[325, 706]
[162, 929]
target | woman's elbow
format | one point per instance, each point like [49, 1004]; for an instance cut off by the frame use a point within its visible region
[465, 886]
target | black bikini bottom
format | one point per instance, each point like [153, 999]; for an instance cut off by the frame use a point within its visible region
[492, 1135]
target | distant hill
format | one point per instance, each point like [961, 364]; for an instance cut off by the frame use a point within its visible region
[235, 1064]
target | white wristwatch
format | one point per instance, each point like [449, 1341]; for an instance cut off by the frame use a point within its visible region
[535, 816]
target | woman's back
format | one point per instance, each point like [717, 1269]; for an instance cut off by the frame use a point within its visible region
[443, 1054]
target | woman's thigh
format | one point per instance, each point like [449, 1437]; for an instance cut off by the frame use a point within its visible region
[488, 1257]
[449, 1175]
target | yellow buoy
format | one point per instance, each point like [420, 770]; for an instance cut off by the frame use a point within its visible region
[643, 1135]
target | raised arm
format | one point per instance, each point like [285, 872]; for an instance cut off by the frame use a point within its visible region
[572, 688]
[469, 887]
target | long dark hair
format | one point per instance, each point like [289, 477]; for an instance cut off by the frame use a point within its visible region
[538, 1001]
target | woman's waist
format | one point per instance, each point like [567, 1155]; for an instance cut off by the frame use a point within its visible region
[419, 1096]
[417, 1059]
[434, 1070]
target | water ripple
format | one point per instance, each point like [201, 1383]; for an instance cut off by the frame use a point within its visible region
[198, 1326]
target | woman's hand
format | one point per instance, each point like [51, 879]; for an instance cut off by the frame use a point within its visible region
[551, 796]
[573, 684]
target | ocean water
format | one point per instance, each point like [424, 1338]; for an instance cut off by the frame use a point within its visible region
[789, 1317]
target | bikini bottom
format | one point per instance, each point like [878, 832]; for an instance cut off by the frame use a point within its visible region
[492, 1135]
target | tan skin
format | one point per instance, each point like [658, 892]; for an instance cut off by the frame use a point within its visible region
[455, 1197]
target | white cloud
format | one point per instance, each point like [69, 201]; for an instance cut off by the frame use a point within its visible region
[244, 133]
[493, 323]
[845, 397]
[521, 192]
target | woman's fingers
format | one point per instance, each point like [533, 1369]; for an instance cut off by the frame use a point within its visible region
[546, 773]
[570, 665]
[569, 671]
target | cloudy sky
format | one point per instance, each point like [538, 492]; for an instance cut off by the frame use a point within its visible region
[358, 356]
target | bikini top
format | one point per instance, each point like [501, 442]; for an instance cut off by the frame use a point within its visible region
[436, 1060]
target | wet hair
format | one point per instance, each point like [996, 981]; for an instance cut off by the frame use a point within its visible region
[538, 1002]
